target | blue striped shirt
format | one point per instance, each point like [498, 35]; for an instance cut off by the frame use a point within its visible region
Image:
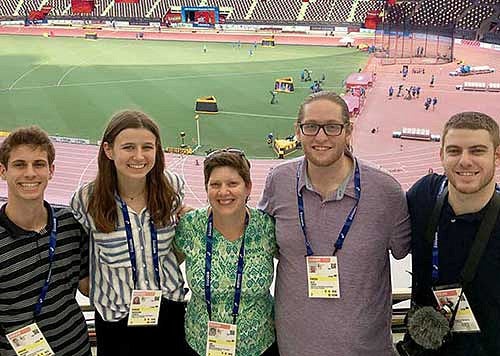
[111, 279]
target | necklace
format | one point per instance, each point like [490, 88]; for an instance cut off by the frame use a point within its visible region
[134, 197]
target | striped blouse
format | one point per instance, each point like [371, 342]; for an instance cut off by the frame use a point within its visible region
[111, 277]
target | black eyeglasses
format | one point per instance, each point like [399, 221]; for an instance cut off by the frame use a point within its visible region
[329, 129]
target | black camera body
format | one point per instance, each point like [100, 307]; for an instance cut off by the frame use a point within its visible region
[428, 332]
[408, 347]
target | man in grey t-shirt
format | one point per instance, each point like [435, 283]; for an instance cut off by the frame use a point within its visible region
[344, 216]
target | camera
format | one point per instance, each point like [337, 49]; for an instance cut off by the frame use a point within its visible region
[408, 347]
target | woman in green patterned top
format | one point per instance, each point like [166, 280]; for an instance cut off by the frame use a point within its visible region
[229, 251]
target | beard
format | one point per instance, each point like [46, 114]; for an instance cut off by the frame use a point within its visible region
[325, 158]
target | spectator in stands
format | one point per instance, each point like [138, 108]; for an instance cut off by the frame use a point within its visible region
[341, 200]
[44, 252]
[243, 244]
[129, 211]
[469, 153]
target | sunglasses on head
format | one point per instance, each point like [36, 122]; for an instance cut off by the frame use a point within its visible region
[234, 151]
[226, 150]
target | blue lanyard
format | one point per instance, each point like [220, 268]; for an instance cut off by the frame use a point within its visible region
[131, 249]
[52, 253]
[350, 217]
[208, 269]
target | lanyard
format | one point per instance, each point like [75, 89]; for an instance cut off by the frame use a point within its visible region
[52, 253]
[350, 217]
[208, 269]
[435, 243]
[131, 249]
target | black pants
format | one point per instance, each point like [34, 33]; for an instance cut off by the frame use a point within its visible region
[271, 351]
[117, 339]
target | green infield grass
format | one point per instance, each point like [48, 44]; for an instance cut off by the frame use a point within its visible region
[71, 86]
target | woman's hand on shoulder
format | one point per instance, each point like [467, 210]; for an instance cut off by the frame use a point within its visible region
[184, 210]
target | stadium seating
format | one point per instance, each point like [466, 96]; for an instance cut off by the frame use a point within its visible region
[400, 13]
[363, 6]
[240, 7]
[7, 8]
[276, 9]
[469, 14]
[472, 19]
[341, 11]
[160, 10]
[32, 4]
[439, 13]
[60, 7]
[319, 10]
[183, 2]
[137, 10]
[487, 2]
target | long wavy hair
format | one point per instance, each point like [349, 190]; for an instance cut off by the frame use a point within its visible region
[162, 200]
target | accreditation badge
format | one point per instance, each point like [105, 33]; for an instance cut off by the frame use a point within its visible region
[221, 339]
[464, 320]
[144, 307]
[323, 277]
[29, 341]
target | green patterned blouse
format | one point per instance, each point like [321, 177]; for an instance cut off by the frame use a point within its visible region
[255, 321]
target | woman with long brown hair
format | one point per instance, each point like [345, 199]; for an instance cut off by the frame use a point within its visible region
[129, 212]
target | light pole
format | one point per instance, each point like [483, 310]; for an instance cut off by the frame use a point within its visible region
[197, 119]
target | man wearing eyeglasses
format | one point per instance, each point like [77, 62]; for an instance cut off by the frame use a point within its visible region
[336, 219]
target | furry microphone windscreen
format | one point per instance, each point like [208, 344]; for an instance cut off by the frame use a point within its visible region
[428, 328]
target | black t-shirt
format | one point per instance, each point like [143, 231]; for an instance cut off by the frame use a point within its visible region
[456, 237]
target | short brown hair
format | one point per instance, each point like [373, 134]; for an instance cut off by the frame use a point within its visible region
[328, 96]
[227, 158]
[32, 136]
[473, 120]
